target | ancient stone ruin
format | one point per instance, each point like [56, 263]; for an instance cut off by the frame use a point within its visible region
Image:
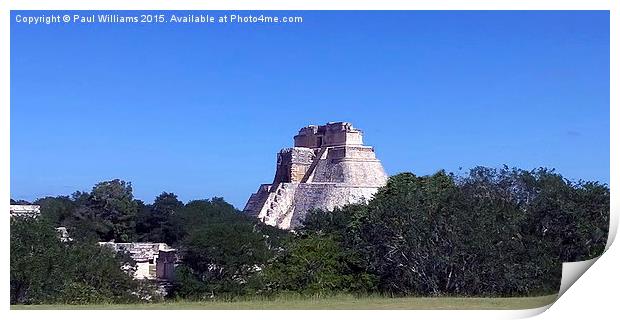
[328, 167]
[153, 260]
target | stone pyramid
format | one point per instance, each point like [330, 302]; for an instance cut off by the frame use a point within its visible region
[328, 167]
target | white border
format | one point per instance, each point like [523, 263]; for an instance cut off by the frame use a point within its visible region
[594, 297]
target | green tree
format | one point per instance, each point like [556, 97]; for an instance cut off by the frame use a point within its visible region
[113, 202]
[509, 258]
[316, 264]
[37, 269]
[154, 222]
[413, 233]
[198, 213]
[572, 218]
[222, 259]
[109, 211]
[56, 210]
[223, 251]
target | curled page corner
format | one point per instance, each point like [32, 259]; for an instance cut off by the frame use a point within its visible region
[613, 229]
[528, 313]
[571, 271]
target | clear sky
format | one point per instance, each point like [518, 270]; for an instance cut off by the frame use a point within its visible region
[202, 110]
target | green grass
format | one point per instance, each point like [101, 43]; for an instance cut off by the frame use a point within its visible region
[326, 303]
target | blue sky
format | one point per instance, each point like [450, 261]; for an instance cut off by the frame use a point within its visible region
[202, 110]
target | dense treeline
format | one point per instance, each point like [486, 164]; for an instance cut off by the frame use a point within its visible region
[492, 232]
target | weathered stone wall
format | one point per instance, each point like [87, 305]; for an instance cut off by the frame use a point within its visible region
[292, 164]
[287, 207]
[146, 256]
[359, 152]
[327, 197]
[355, 166]
[307, 137]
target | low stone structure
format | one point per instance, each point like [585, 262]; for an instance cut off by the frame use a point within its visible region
[328, 167]
[30, 210]
[63, 234]
[153, 260]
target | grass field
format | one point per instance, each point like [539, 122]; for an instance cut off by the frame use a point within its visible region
[327, 303]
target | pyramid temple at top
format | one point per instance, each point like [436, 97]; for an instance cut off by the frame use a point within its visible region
[328, 167]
